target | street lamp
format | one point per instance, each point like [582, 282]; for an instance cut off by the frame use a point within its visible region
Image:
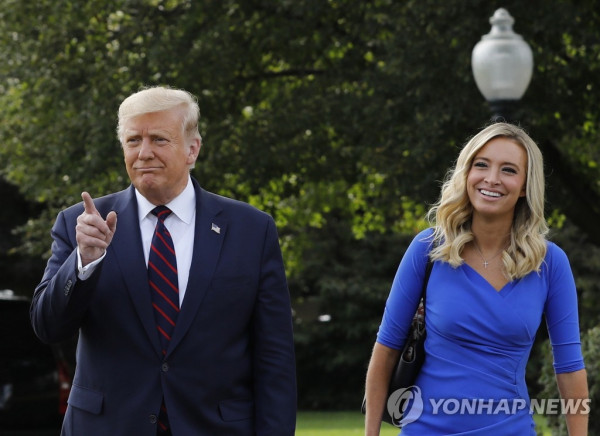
[502, 64]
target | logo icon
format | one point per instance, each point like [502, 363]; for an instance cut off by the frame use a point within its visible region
[405, 405]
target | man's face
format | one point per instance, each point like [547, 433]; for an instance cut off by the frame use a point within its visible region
[158, 154]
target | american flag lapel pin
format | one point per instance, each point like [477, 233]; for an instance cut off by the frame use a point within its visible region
[215, 228]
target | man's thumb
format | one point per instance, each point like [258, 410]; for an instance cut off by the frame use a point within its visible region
[111, 221]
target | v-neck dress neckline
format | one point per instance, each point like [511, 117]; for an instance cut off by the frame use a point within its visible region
[473, 274]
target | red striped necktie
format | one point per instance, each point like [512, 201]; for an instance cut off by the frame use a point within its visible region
[162, 275]
[164, 288]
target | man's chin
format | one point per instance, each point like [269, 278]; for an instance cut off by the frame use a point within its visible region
[147, 184]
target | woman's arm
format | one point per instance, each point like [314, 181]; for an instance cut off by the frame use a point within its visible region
[379, 373]
[574, 386]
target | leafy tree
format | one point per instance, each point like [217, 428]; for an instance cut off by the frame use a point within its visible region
[339, 117]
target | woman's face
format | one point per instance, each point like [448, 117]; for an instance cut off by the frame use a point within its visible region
[497, 178]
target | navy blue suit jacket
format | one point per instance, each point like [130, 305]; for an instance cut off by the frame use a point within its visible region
[229, 369]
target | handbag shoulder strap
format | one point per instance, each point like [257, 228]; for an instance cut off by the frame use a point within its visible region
[428, 269]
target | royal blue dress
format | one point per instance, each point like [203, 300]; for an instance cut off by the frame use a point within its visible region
[478, 341]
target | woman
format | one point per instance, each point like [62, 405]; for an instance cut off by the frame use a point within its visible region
[494, 276]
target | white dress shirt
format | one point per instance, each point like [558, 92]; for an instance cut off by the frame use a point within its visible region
[181, 224]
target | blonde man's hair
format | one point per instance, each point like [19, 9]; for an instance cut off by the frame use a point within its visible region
[158, 99]
[451, 215]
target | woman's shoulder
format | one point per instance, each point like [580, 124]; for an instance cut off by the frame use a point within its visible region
[555, 257]
[424, 236]
[554, 250]
[422, 241]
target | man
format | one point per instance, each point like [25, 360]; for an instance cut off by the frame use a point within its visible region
[184, 318]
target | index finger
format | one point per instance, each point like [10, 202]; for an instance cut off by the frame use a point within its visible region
[88, 203]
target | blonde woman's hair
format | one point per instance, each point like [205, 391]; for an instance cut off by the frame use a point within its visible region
[451, 215]
[158, 99]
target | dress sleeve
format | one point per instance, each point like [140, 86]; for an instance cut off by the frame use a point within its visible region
[405, 293]
[562, 317]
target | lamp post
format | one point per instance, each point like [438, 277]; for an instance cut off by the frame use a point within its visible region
[502, 64]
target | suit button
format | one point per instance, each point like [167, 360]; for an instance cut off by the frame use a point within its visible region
[165, 367]
[68, 287]
[153, 419]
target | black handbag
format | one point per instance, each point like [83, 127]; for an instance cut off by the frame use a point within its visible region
[412, 356]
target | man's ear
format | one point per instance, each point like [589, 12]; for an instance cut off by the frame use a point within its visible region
[194, 150]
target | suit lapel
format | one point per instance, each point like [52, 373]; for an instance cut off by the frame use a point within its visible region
[127, 249]
[208, 240]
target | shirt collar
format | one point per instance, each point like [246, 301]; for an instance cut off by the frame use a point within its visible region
[183, 206]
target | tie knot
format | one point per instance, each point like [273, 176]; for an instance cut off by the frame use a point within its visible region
[162, 212]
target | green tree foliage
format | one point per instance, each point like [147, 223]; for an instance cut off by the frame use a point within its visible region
[339, 117]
